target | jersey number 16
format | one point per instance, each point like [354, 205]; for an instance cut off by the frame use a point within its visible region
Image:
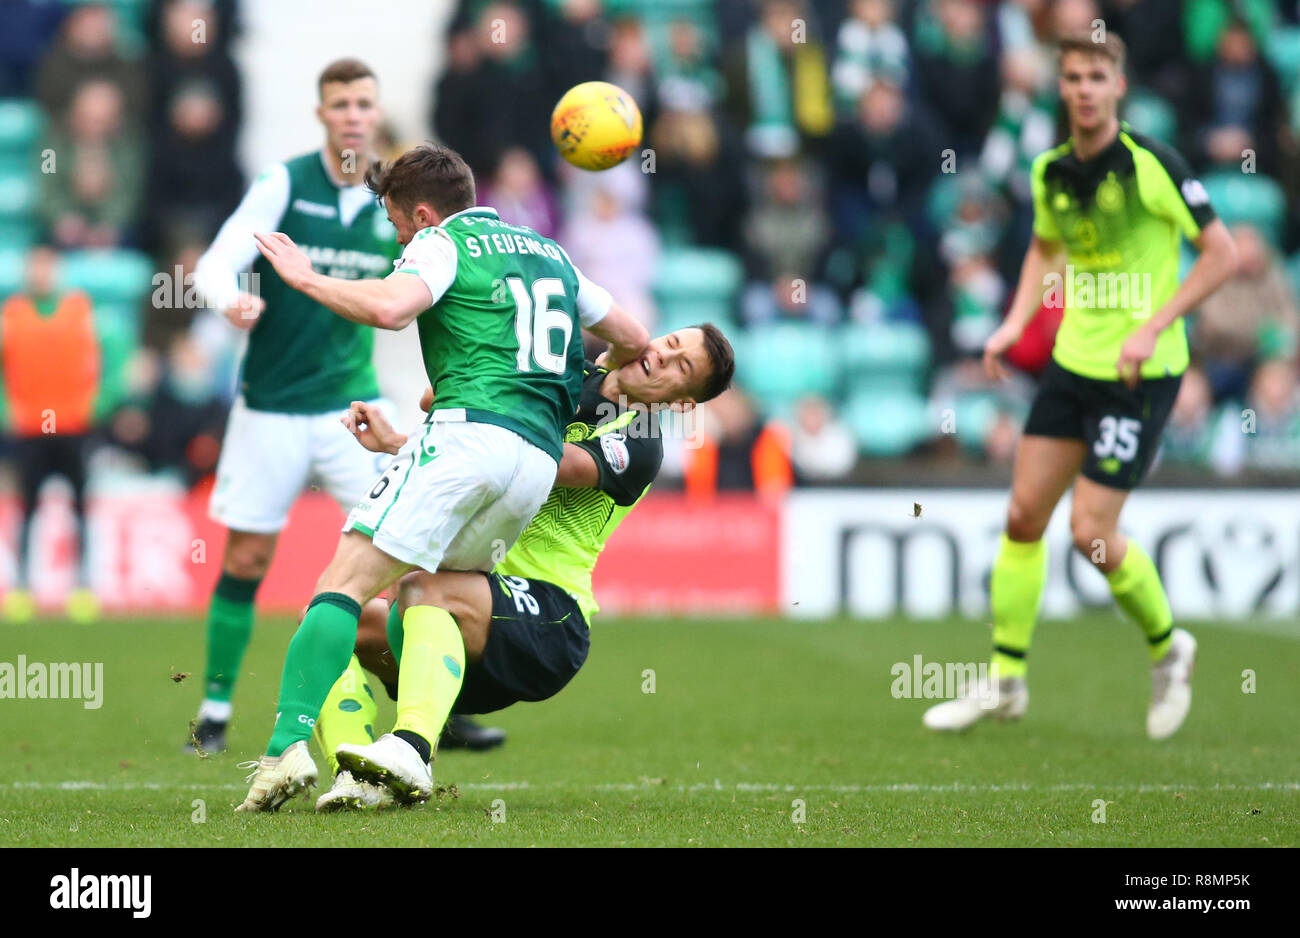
[536, 321]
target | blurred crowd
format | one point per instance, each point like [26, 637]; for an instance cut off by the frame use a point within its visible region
[841, 184]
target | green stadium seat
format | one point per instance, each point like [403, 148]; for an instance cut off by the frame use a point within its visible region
[779, 363]
[118, 343]
[11, 269]
[18, 233]
[885, 356]
[18, 196]
[20, 124]
[1283, 50]
[1293, 271]
[1150, 114]
[887, 424]
[677, 314]
[974, 415]
[1248, 198]
[698, 272]
[110, 275]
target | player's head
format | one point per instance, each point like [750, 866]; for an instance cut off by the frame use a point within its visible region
[686, 367]
[422, 187]
[1091, 81]
[349, 107]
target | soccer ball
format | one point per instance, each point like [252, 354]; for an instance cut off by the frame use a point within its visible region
[596, 125]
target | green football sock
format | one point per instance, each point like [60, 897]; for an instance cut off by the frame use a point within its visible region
[318, 654]
[1136, 586]
[230, 626]
[433, 667]
[348, 715]
[1015, 589]
[395, 632]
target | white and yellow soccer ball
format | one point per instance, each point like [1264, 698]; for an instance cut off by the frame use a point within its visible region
[596, 125]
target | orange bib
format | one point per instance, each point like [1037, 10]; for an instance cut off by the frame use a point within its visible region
[49, 365]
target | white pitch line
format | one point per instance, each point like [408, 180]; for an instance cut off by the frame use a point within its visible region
[715, 786]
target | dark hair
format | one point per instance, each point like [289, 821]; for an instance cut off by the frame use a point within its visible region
[1110, 47]
[430, 173]
[722, 362]
[343, 70]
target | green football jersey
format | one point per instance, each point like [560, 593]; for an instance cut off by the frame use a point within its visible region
[1121, 216]
[563, 541]
[502, 342]
[301, 357]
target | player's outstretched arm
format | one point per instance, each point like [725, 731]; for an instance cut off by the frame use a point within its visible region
[1042, 258]
[392, 303]
[1216, 263]
[626, 335]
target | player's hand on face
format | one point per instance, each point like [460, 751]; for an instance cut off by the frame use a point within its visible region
[287, 258]
[372, 429]
[1138, 347]
[1002, 339]
[245, 311]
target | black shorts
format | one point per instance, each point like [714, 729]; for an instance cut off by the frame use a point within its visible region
[537, 643]
[1122, 427]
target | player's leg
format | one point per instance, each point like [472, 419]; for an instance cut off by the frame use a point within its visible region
[379, 649]
[264, 465]
[481, 485]
[1123, 437]
[1048, 459]
[348, 717]
[29, 455]
[70, 454]
[429, 626]
[318, 654]
[1044, 469]
[321, 648]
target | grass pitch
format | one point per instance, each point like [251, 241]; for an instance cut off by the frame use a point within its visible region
[758, 733]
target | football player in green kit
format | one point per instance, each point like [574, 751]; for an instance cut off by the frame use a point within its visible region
[1110, 209]
[303, 365]
[500, 312]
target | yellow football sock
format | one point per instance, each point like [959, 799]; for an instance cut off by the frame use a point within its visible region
[1137, 589]
[348, 715]
[1015, 588]
[433, 666]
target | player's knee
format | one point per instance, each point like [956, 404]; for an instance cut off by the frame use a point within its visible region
[1023, 523]
[248, 558]
[419, 589]
[1089, 537]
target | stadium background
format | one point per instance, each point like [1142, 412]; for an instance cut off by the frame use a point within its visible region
[851, 206]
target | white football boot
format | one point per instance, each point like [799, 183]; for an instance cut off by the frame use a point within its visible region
[392, 762]
[348, 794]
[276, 779]
[1003, 699]
[1171, 687]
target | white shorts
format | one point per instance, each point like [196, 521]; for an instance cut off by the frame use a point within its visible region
[456, 496]
[267, 459]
